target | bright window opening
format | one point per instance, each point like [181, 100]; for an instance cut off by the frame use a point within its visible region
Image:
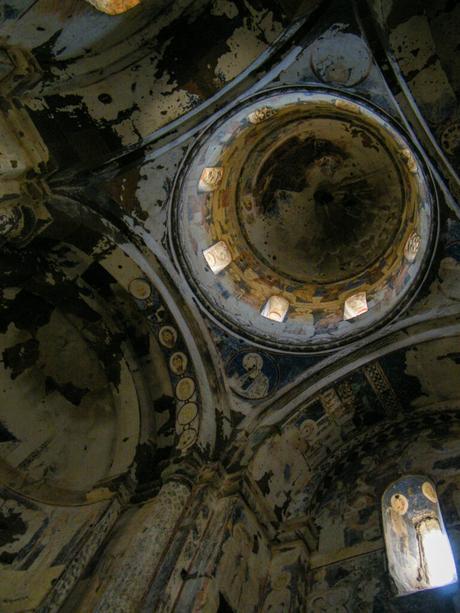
[436, 553]
[417, 545]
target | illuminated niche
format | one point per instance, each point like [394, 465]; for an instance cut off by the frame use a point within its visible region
[417, 546]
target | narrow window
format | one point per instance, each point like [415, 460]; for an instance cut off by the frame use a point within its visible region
[417, 546]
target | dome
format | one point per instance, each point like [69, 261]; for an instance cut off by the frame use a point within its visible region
[302, 219]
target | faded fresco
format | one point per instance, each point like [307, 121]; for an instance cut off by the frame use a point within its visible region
[229, 305]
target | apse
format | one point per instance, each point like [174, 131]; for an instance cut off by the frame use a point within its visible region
[79, 364]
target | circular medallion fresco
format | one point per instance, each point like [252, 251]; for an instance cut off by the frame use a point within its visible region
[302, 219]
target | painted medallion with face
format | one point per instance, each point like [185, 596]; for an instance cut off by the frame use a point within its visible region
[168, 336]
[187, 439]
[187, 413]
[185, 388]
[178, 363]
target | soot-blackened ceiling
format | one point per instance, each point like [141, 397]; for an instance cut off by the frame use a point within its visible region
[329, 214]
[229, 236]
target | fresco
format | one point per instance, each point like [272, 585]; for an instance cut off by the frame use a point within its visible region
[275, 177]
[252, 375]
[229, 301]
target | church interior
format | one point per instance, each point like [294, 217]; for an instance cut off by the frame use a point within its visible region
[229, 306]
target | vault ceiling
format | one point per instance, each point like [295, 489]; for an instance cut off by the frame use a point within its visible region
[229, 249]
